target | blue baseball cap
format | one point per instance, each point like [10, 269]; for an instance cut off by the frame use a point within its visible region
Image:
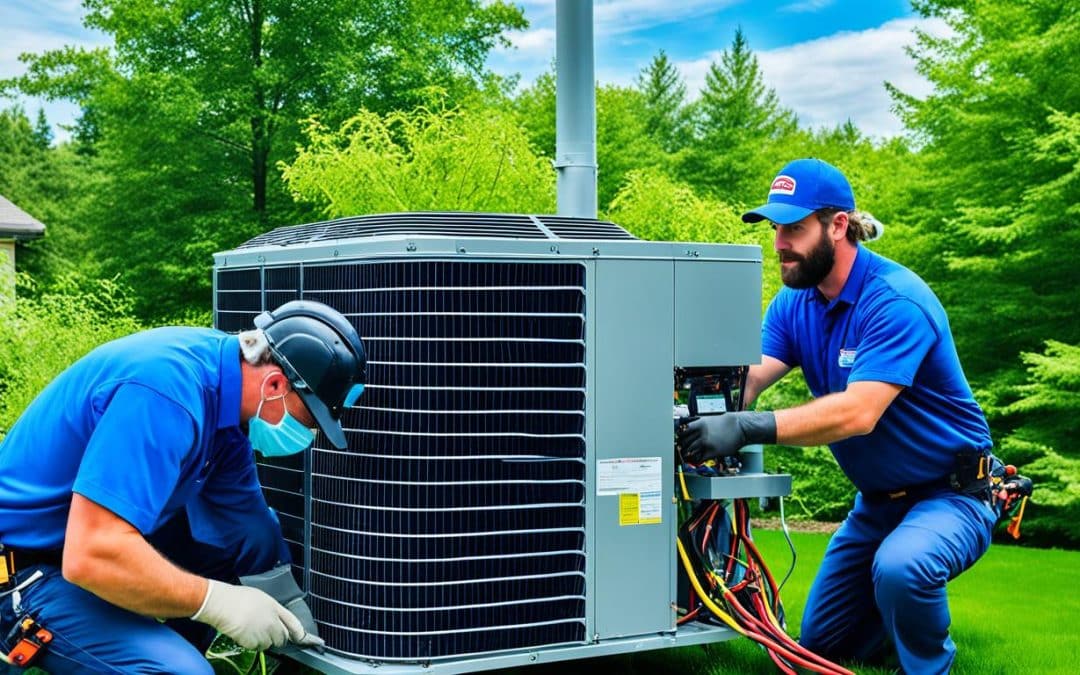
[802, 187]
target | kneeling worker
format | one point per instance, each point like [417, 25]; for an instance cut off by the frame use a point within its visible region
[892, 402]
[128, 491]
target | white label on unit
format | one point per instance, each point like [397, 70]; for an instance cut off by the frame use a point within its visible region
[628, 474]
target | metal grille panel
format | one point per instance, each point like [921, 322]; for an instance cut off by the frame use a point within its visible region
[454, 523]
[579, 228]
[446, 224]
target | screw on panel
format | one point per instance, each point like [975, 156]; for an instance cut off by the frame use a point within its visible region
[410, 247]
[261, 258]
[554, 248]
[596, 637]
[596, 251]
[461, 249]
[335, 253]
[696, 253]
[533, 656]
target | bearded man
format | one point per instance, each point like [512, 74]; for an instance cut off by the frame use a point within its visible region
[893, 404]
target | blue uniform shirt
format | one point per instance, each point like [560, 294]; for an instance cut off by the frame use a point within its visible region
[144, 426]
[885, 326]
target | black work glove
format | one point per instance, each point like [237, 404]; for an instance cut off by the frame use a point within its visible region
[705, 438]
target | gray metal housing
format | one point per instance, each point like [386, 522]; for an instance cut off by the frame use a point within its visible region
[649, 307]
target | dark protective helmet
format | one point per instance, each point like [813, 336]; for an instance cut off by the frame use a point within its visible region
[323, 357]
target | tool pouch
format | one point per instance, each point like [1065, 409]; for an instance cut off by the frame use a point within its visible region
[28, 639]
[971, 474]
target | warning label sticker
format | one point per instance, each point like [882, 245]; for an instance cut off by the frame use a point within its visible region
[637, 482]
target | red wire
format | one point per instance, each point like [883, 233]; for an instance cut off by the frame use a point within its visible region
[708, 525]
[688, 617]
[786, 639]
[781, 665]
[784, 646]
[752, 551]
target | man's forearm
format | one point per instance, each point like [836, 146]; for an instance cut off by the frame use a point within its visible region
[821, 421]
[107, 557]
[834, 417]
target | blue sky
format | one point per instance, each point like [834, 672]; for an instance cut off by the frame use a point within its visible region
[827, 59]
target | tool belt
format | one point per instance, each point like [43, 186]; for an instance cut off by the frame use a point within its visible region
[911, 493]
[13, 560]
[975, 473]
[970, 475]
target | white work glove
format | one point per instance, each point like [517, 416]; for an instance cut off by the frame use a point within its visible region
[253, 619]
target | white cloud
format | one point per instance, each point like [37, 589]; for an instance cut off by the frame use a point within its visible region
[828, 80]
[626, 16]
[617, 17]
[530, 45]
[611, 19]
[806, 6]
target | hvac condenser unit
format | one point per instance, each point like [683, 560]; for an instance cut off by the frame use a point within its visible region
[507, 496]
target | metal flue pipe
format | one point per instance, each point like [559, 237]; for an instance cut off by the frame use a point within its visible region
[575, 109]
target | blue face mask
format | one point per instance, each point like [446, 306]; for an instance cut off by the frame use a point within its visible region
[287, 437]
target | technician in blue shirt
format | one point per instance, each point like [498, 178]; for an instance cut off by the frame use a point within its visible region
[128, 490]
[892, 402]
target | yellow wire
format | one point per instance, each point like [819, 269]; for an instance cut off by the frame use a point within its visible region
[682, 481]
[703, 596]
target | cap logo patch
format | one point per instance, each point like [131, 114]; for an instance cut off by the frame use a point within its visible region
[783, 185]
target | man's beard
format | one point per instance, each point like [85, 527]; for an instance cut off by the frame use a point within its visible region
[811, 269]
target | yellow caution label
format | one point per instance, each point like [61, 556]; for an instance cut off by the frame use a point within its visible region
[631, 512]
[629, 506]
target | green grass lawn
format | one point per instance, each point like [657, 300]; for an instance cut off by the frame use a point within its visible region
[1016, 611]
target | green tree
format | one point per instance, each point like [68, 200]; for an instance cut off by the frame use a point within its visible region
[1003, 184]
[43, 135]
[666, 114]
[535, 106]
[735, 118]
[53, 184]
[623, 142]
[736, 98]
[196, 102]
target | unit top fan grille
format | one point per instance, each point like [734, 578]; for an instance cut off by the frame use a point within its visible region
[444, 224]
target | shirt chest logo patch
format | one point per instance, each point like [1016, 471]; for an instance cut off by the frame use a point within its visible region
[847, 358]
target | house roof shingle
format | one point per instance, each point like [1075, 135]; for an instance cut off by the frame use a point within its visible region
[18, 224]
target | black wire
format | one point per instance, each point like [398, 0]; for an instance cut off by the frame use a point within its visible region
[791, 547]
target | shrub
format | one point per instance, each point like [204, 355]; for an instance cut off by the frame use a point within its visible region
[45, 330]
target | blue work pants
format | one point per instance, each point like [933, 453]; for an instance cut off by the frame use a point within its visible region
[91, 635]
[883, 579]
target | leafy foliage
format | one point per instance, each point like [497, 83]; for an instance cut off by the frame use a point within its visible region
[428, 159]
[40, 336]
